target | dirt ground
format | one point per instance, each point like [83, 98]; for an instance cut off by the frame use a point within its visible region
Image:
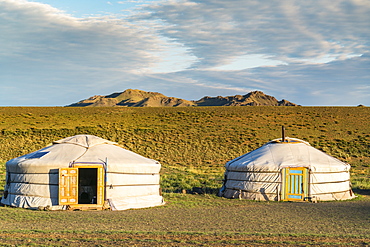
[195, 220]
[173, 239]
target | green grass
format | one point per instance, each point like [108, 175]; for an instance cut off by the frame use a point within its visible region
[194, 220]
[193, 144]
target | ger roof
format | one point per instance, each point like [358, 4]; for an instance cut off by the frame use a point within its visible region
[289, 140]
[83, 149]
[84, 141]
[277, 154]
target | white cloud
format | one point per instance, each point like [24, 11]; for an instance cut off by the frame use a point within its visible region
[336, 83]
[41, 34]
[219, 31]
[188, 49]
[249, 61]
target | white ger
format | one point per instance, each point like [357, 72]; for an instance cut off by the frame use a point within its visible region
[82, 172]
[287, 169]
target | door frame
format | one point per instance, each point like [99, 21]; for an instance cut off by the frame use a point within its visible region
[295, 181]
[69, 184]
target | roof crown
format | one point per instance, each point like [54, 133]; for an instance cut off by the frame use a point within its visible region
[84, 141]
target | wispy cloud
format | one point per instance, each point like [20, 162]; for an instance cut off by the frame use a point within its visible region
[218, 30]
[44, 35]
[308, 52]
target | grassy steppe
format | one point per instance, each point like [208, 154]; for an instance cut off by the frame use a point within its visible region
[193, 145]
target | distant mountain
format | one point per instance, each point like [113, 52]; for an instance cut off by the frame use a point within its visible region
[134, 98]
[255, 98]
[139, 98]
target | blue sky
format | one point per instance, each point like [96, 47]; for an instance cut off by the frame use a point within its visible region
[57, 52]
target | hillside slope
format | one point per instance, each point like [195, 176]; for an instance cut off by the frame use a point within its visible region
[254, 98]
[134, 98]
[139, 98]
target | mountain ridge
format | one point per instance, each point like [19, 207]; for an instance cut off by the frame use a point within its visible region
[140, 98]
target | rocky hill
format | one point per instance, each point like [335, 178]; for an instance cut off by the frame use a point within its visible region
[134, 98]
[255, 98]
[139, 98]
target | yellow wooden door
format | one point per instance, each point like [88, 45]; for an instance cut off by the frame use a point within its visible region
[296, 184]
[101, 186]
[68, 186]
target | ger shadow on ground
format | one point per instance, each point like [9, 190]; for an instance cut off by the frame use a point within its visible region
[363, 192]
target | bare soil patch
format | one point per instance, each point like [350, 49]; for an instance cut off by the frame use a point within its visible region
[195, 220]
[173, 239]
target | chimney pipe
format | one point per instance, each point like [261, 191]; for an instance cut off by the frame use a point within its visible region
[282, 134]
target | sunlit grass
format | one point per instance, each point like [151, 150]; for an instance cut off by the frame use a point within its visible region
[194, 143]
